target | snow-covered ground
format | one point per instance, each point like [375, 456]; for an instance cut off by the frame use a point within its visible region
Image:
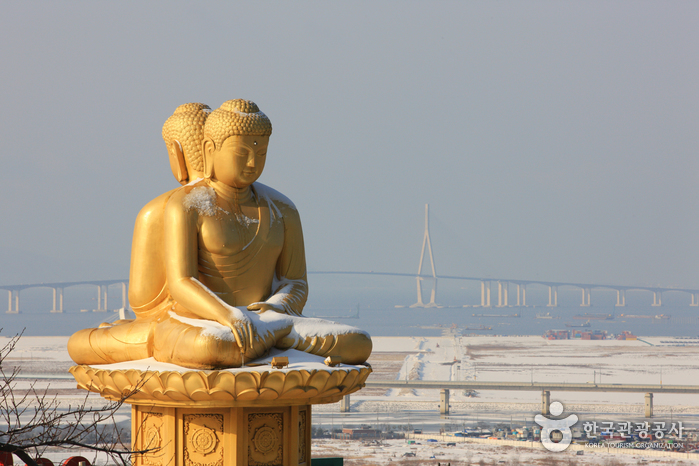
[471, 453]
[533, 358]
[487, 358]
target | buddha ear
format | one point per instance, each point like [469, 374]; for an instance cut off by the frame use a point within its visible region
[177, 162]
[208, 148]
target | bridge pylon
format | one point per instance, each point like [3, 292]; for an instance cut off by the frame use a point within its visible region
[13, 298]
[426, 242]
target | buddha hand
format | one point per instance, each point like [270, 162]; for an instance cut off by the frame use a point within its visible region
[242, 328]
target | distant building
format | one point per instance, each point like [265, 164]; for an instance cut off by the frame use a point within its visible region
[576, 334]
[626, 335]
[557, 335]
[362, 433]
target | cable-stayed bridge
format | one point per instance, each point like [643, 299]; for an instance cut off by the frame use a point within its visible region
[488, 287]
[495, 292]
[503, 287]
[503, 284]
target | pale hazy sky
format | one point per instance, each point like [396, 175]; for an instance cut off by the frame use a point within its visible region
[552, 140]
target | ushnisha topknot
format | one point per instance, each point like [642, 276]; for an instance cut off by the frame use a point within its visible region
[237, 117]
[186, 125]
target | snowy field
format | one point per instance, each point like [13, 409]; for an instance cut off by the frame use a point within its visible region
[390, 452]
[44, 361]
[534, 359]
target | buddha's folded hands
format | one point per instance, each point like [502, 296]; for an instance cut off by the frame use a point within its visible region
[244, 332]
[240, 324]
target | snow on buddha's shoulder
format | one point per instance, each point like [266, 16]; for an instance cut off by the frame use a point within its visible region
[273, 195]
[183, 191]
[200, 197]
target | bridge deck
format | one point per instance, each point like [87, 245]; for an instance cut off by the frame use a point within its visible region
[567, 387]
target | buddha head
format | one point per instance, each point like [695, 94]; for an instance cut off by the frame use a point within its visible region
[183, 133]
[236, 136]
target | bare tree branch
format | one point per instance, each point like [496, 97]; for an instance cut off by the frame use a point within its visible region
[33, 421]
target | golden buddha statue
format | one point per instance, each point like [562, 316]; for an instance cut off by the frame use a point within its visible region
[218, 268]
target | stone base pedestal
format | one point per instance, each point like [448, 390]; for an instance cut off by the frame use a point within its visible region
[243, 436]
[233, 417]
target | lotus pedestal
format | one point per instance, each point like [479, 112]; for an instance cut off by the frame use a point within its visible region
[222, 418]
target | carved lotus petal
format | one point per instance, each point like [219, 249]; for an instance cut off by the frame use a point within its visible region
[293, 381]
[294, 393]
[275, 381]
[121, 382]
[268, 394]
[80, 377]
[321, 386]
[102, 378]
[194, 382]
[349, 379]
[333, 380]
[152, 383]
[94, 384]
[110, 392]
[138, 380]
[310, 392]
[257, 377]
[175, 388]
[196, 385]
[171, 379]
[250, 394]
[108, 389]
[157, 391]
[212, 378]
[221, 395]
[363, 374]
[245, 382]
[200, 395]
[223, 381]
[329, 392]
[317, 380]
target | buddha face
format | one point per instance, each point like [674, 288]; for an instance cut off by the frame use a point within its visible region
[239, 161]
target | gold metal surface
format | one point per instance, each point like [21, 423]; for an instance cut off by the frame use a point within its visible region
[216, 250]
[280, 362]
[222, 436]
[223, 388]
[333, 361]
